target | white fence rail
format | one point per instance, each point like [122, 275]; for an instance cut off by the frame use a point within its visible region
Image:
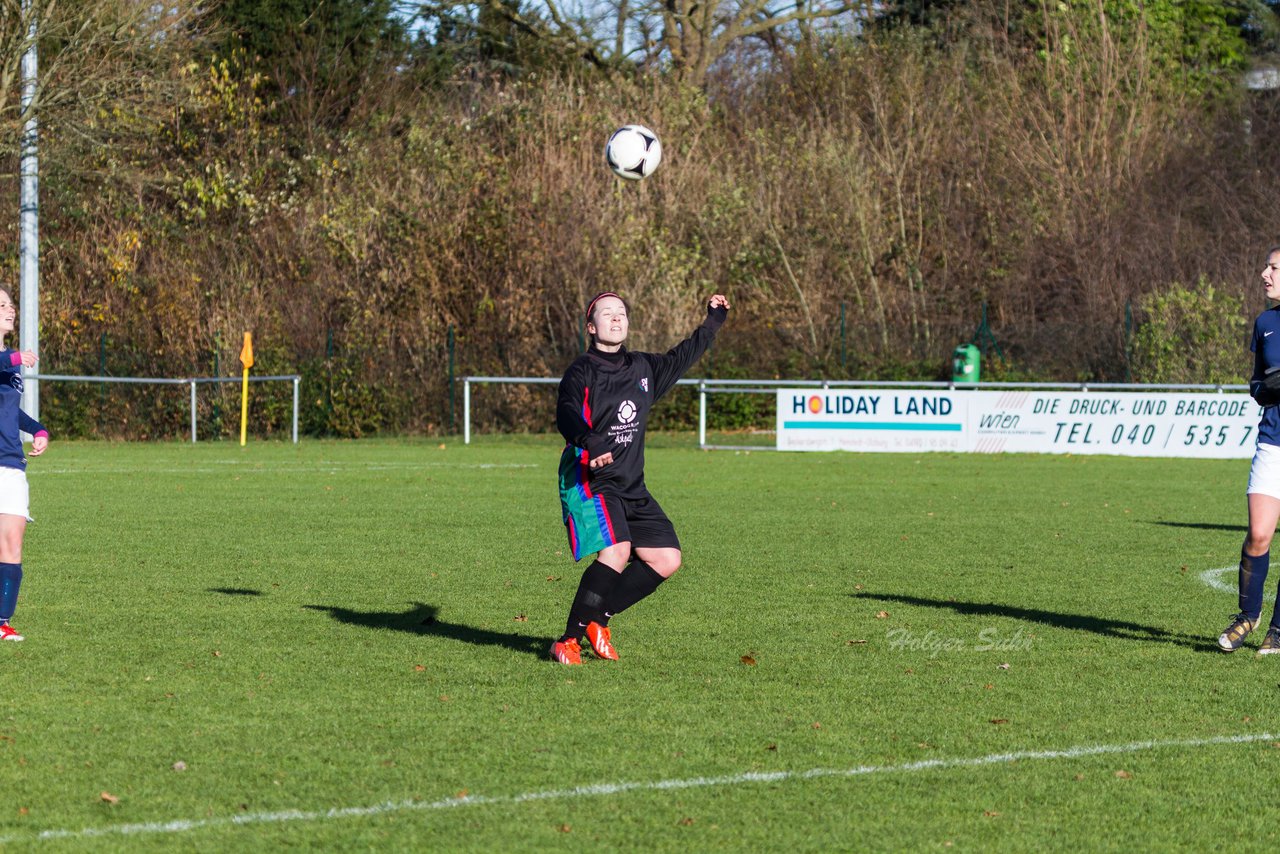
[191, 382]
[709, 386]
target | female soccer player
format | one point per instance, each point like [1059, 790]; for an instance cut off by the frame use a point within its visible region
[603, 408]
[13, 467]
[1264, 475]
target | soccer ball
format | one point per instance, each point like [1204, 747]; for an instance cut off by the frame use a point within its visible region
[633, 152]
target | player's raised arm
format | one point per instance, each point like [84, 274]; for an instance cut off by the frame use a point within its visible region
[671, 366]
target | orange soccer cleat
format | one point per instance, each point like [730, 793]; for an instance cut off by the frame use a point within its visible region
[601, 643]
[566, 651]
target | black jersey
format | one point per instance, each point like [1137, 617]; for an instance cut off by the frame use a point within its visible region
[604, 405]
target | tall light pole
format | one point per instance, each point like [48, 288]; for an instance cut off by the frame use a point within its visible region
[29, 215]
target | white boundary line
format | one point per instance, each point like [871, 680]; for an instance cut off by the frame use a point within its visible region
[184, 825]
[1213, 578]
[251, 468]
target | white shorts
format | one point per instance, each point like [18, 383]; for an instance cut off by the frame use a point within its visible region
[1264, 474]
[15, 497]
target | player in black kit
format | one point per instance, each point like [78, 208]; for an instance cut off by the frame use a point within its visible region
[603, 408]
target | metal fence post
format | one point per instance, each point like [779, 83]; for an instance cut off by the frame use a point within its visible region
[702, 414]
[466, 410]
[193, 412]
[296, 381]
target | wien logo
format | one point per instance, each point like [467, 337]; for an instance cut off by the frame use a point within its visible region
[626, 412]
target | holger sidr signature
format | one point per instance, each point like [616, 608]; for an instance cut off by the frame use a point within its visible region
[989, 639]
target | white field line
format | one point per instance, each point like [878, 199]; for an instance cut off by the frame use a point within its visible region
[1217, 579]
[1213, 578]
[608, 789]
[320, 468]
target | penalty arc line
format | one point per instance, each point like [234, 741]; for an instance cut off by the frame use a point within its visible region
[184, 825]
[1213, 578]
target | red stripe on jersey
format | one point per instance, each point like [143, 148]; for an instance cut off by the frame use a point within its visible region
[586, 406]
[584, 475]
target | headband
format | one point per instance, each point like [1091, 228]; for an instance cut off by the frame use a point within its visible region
[597, 298]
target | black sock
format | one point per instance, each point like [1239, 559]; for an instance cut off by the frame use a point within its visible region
[598, 581]
[638, 581]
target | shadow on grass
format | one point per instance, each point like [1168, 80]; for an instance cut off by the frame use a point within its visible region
[1203, 526]
[422, 620]
[1079, 622]
[234, 591]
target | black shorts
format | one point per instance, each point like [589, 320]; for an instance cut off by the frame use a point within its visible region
[641, 521]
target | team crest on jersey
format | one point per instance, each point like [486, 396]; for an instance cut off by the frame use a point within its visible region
[15, 381]
[626, 412]
[644, 384]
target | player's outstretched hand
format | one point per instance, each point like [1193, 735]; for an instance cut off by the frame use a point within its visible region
[29, 358]
[602, 460]
[38, 444]
[718, 301]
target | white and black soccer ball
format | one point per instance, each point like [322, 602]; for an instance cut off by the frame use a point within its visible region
[633, 152]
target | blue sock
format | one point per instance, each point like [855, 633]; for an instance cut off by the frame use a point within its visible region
[1253, 575]
[10, 578]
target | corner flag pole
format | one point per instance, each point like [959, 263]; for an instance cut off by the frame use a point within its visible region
[246, 358]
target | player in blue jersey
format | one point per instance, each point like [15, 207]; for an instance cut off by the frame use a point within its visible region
[13, 467]
[1264, 475]
[602, 412]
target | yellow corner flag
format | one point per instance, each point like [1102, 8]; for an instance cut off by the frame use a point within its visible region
[246, 358]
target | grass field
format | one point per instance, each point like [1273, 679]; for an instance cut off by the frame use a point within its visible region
[342, 645]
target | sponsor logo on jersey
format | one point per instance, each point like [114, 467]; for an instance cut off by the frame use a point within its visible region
[644, 384]
[626, 412]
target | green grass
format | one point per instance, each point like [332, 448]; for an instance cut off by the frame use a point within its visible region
[340, 625]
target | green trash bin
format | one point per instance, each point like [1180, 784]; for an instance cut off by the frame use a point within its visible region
[965, 364]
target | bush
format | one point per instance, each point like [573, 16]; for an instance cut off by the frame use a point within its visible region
[1190, 335]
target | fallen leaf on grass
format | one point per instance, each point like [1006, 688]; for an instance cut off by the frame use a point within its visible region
[521, 618]
[1004, 666]
[748, 660]
[109, 798]
[1123, 775]
[880, 615]
[179, 766]
[857, 587]
[998, 721]
[685, 822]
[553, 578]
[217, 654]
[989, 686]
[444, 698]
[23, 811]
[564, 828]
[990, 813]
[817, 725]
[771, 747]
[854, 642]
[462, 794]
[419, 668]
